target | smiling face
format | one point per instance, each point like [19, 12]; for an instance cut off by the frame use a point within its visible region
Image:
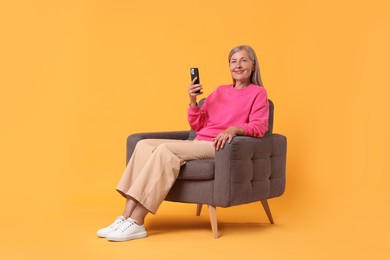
[241, 67]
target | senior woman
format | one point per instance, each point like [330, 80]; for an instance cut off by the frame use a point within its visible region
[240, 108]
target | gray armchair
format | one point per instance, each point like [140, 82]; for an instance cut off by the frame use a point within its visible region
[246, 170]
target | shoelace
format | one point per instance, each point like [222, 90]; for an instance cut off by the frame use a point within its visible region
[116, 223]
[126, 224]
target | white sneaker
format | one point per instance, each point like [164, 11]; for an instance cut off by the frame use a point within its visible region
[127, 231]
[111, 228]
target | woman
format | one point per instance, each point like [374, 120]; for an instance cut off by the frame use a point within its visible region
[240, 108]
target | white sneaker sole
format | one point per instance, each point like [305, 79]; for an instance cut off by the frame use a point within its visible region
[101, 235]
[131, 237]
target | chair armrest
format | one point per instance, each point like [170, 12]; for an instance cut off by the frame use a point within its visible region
[245, 162]
[133, 139]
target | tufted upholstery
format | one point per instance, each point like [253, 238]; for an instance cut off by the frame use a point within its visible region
[246, 170]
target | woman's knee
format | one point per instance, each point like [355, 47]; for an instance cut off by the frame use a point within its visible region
[147, 142]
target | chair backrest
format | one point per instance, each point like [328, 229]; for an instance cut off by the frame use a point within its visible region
[270, 119]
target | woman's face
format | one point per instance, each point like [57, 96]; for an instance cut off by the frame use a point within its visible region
[241, 66]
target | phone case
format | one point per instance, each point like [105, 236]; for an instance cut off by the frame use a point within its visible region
[195, 73]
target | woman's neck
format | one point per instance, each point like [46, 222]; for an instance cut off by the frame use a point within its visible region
[240, 85]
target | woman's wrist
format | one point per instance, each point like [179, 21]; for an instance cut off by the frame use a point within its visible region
[193, 102]
[236, 130]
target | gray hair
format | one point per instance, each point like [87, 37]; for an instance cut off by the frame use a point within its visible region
[255, 76]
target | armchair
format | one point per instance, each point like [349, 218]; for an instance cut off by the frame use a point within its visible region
[246, 170]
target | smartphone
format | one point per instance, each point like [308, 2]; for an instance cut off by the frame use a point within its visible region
[195, 73]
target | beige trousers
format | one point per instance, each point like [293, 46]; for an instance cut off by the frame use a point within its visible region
[155, 165]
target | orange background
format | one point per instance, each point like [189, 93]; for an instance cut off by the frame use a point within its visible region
[77, 77]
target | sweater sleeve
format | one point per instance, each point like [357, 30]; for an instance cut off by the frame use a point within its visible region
[197, 117]
[258, 117]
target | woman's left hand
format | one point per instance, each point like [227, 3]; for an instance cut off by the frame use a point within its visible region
[227, 136]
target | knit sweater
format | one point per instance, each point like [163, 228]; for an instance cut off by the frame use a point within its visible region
[247, 108]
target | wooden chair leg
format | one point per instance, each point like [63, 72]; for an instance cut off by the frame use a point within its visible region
[213, 220]
[198, 209]
[267, 210]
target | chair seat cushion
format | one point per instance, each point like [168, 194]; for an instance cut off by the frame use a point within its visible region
[197, 170]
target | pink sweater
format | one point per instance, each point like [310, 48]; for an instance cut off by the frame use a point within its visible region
[226, 106]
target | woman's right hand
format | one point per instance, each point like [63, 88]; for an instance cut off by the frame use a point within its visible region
[192, 89]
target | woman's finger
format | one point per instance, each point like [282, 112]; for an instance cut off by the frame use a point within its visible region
[217, 142]
[230, 138]
[220, 141]
[223, 143]
[192, 89]
[193, 81]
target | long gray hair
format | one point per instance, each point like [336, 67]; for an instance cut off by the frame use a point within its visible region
[255, 76]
